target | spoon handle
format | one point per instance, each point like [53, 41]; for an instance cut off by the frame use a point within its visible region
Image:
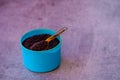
[55, 35]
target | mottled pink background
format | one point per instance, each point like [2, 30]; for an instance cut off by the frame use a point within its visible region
[91, 46]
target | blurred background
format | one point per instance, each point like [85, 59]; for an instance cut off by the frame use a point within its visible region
[91, 45]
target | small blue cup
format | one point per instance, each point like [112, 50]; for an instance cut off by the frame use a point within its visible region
[41, 61]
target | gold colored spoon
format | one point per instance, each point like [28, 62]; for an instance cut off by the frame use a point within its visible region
[45, 43]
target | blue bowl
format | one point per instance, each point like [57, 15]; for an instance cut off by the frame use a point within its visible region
[41, 61]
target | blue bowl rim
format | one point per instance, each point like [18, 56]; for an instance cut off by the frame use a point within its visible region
[43, 51]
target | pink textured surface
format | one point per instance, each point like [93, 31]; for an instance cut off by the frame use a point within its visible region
[91, 46]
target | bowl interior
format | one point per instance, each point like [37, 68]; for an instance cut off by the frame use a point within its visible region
[38, 32]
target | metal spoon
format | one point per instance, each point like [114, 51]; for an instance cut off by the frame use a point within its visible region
[43, 45]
